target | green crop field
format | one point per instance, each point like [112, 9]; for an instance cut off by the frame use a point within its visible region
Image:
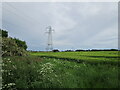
[88, 57]
[94, 69]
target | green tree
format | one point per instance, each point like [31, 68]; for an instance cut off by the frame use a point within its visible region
[3, 33]
[20, 43]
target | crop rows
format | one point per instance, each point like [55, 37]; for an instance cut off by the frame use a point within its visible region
[107, 57]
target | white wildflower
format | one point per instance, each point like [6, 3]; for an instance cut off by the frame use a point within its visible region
[14, 67]
[8, 58]
[11, 84]
[46, 68]
[84, 64]
[2, 70]
[10, 61]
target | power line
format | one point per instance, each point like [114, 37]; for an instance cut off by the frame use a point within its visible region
[23, 18]
[29, 20]
[27, 17]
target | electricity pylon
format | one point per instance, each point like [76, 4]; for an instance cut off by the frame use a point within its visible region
[49, 43]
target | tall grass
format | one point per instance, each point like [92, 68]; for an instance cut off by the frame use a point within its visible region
[36, 72]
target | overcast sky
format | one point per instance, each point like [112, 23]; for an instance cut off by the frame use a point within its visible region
[80, 25]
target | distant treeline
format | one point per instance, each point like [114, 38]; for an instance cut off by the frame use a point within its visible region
[99, 50]
[78, 50]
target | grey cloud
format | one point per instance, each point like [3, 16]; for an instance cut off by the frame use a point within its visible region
[77, 25]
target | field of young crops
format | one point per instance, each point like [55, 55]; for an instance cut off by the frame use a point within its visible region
[93, 57]
[61, 70]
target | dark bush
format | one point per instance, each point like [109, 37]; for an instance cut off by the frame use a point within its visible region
[20, 43]
[68, 50]
[56, 50]
[79, 50]
[3, 33]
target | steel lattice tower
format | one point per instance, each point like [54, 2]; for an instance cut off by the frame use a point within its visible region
[49, 43]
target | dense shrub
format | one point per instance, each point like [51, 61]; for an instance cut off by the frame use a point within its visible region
[10, 48]
[20, 43]
[56, 50]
